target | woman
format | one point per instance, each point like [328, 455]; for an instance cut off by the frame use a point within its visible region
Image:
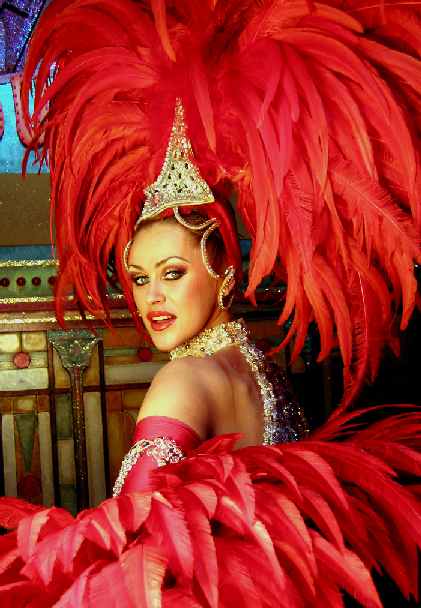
[306, 112]
[182, 278]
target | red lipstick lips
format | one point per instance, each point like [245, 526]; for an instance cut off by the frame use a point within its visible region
[160, 319]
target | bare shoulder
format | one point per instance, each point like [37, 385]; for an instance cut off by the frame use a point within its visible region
[184, 389]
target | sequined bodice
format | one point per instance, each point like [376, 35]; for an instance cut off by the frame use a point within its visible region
[283, 418]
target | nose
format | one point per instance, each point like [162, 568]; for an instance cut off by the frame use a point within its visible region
[155, 293]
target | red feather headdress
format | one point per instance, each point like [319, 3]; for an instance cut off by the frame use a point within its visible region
[310, 112]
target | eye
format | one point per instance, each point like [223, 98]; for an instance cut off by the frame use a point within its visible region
[139, 279]
[173, 274]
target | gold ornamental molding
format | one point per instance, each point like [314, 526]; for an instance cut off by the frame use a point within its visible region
[28, 300]
[43, 299]
[33, 318]
[28, 263]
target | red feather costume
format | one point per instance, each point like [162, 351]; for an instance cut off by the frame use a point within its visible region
[310, 112]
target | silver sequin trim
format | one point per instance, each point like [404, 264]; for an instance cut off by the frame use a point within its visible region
[162, 449]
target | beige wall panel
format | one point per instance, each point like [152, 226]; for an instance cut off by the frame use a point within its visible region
[34, 340]
[133, 399]
[6, 361]
[62, 378]
[24, 404]
[46, 458]
[38, 359]
[23, 379]
[9, 455]
[129, 374]
[94, 448]
[9, 343]
[91, 375]
[66, 461]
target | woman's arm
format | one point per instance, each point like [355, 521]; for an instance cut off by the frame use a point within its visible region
[180, 390]
[172, 421]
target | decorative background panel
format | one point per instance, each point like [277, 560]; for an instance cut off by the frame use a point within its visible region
[95, 448]
[65, 452]
[122, 410]
[61, 377]
[23, 379]
[27, 453]
[9, 454]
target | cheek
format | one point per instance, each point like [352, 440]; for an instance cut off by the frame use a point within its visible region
[137, 296]
[199, 288]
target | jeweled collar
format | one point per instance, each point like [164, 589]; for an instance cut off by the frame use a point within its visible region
[209, 341]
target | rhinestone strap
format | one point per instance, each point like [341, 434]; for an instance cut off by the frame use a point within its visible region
[162, 449]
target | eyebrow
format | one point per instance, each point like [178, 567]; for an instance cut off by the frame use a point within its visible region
[171, 257]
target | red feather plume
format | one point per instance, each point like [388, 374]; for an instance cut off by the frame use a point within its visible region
[310, 111]
[293, 525]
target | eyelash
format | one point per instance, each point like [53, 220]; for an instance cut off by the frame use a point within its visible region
[179, 273]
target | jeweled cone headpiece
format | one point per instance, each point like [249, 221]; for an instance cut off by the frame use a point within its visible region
[179, 182]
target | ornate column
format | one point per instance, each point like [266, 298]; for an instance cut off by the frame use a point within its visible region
[74, 348]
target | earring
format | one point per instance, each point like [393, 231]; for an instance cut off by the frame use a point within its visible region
[226, 288]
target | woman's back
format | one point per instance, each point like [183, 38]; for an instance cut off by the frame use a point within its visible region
[213, 395]
[237, 402]
[229, 389]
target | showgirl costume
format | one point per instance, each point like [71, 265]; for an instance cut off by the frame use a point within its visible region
[310, 113]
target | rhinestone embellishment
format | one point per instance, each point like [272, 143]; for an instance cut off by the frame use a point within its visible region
[179, 182]
[162, 449]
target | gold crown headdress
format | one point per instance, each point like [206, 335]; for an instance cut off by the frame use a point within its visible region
[179, 182]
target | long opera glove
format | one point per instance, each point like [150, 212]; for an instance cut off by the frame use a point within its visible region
[157, 440]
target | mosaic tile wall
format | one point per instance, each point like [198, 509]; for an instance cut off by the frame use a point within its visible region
[25, 418]
[37, 427]
[33, 436]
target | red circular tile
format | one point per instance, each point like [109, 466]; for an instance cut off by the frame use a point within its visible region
[22, 360]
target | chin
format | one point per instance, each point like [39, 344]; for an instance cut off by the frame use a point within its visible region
[165, 341]
[164, 347]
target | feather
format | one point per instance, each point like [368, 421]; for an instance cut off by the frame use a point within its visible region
[309, 110]
[298, 524]
[158, 8]
[31, 529]
[13, 510]
[205, 567]
[243, 588]
[167, 522]
[348, 570]
[204, 104]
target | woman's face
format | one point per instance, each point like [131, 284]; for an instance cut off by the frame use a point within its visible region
[174, 293]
